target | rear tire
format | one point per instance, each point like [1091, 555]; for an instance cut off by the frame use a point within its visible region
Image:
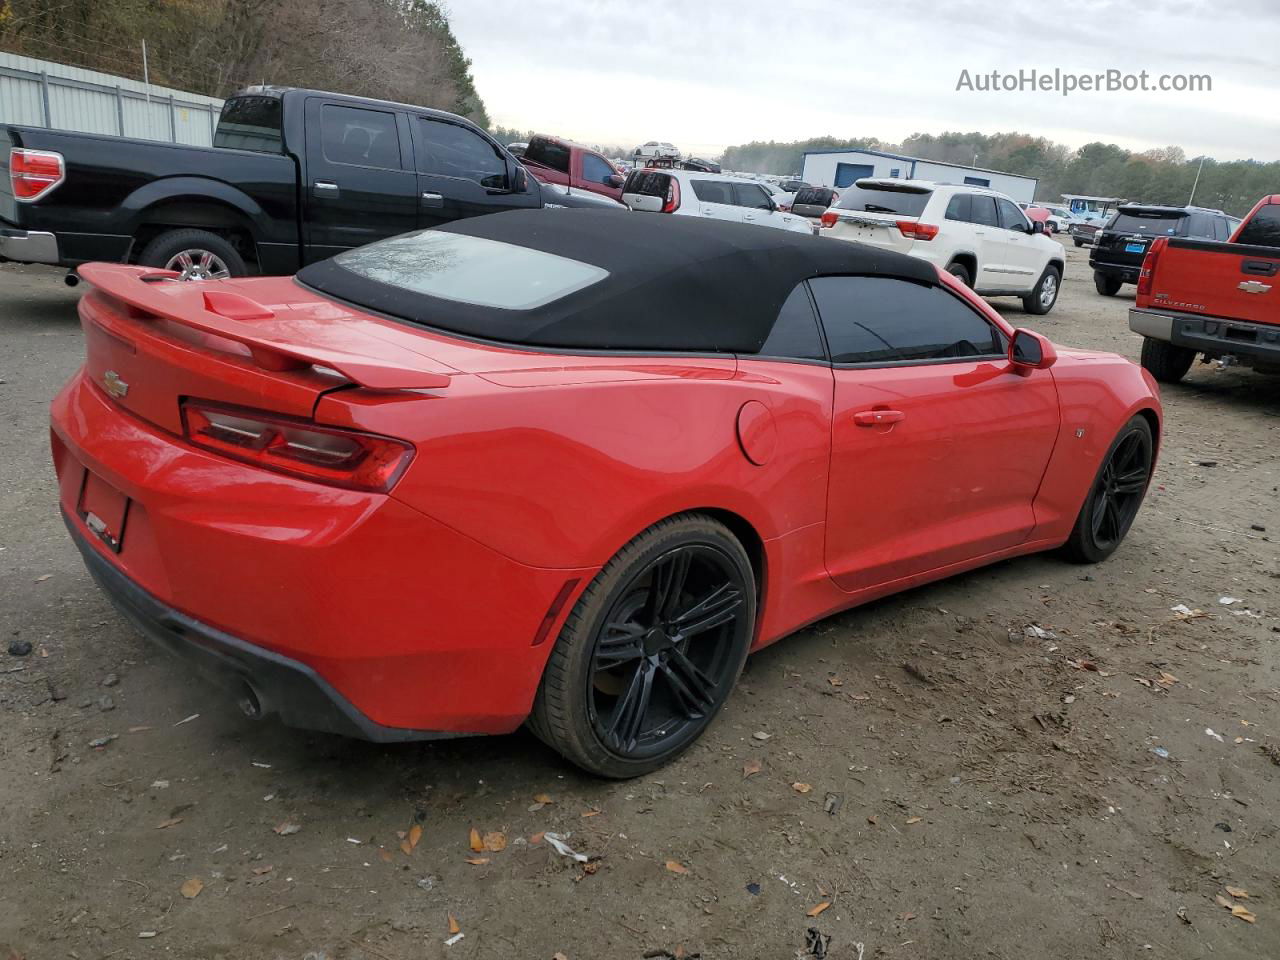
[1041, 299]
[1107, 286]
[1115, 495]
[1167, 362]
[961, 273]
[196, 254]
[1078, 241]
[651, 650]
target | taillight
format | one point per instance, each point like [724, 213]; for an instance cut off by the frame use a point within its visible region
[829, 218]
[1148, 271]
[673, 196]
[341, 458]
[33, 173]
[917, 231]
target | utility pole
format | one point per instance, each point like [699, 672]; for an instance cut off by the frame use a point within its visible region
[146, 76]
[1196, 183]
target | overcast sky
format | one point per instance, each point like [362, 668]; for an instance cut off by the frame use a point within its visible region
[705, 74]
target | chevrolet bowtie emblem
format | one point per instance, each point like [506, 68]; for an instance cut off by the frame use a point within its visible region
[1254, 286]
[112, 383]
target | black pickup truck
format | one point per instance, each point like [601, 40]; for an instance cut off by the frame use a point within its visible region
[293, 176]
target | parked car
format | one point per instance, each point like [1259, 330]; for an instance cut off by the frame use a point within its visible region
[1060, 218]
[701, 166]
[812, 202]
[1216, 300]
[782, 199]
[978, 235]
[715, 196]
[553, 160]
[1037, 214]
[655, 148]
[559, 195]
[518, 148]
[449, 483]
[1119, 247]
[294, 176]
[792, 185]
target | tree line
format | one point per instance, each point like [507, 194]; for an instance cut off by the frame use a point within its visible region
[1162, 176]
[399, 50]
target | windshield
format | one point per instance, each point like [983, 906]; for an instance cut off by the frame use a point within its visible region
[1152, 222]
[250, 123]
[471, 270]
[906, 202]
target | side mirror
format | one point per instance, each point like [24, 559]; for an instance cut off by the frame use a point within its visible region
[613, 180]
[1031, 351]
[1037, 226]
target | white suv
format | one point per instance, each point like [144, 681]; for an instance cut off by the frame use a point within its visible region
[690, 194]
[978, 235]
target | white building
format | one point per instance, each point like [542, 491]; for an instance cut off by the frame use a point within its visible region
[840, 168]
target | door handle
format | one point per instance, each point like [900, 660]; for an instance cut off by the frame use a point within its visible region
[325, 189]
[1259, 268]
[877, 418]
[432, 200]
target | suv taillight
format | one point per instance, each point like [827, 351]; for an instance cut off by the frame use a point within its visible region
[340, 458]
[33, 173]
[829, 218]
[917, 231]
[1148, 271]
[672, 201]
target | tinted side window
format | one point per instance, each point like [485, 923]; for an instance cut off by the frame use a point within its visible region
[250, 123]
[1221, 228]
[885, 320]
[1011, 218]
[454, 151]
[983, 212]
[364, 138]
[960, 208]
[648, 183]
[712, 191]
[1264, 229]
[595, 169]
[548, 153]
[795, 332]
[751, 195]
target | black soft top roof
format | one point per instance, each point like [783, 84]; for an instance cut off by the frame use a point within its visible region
[675, 283]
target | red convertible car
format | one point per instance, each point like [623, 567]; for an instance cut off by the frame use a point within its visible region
[565, 467]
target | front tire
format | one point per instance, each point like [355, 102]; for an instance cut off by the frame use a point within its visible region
[1167, 362]
[1041, 299]
[1107, 286]
[1078, 241]
[961, 273]
[650, 651]
[1115, 496]
[195, 254]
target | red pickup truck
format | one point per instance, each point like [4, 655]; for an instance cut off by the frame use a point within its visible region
[1219, 299]
[568, 164]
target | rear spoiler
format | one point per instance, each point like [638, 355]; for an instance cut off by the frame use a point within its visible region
[233, 316]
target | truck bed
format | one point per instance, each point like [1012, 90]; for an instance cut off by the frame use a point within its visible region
[1226, 281]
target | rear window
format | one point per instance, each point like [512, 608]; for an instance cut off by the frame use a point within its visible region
[906, 202]
[250, 123]
[1152, 222]
[1264, 229]
[813, 196]
[548, 153]
[648, 183]
[471, 270]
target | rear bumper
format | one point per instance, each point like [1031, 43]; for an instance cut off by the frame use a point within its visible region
[265, 682]
[1208, 335]
[1123, 272]
[28, 246]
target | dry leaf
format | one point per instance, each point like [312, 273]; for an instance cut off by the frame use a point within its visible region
[835, 681]
[751, 768]
[1166, 679]
[191, 889]
[535, 838]
[286, 829]
[453, 924]
[259, 871]
[814, 911]
[543, 799]
[871, 820]
[384, 855]
[911, 820]
[1222, 901]
[801, 787]
[906, 916]
[476, 843]
[1238, 892]
[43, 578]
[675, 866]
[405, 848]
[171, 822]
[495, 841]
[477, 861]
[591, 813]
[415, 834]
[1241, 911]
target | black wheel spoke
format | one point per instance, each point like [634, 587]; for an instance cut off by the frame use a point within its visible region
[619, 643]
[1100, 513]
[694, 690]
[668, 583]
[1113, 519]
[1132, 481]
[716, 608]
[627, 722]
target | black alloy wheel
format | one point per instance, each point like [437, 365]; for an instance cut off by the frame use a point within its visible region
[651, 650]
[1117, 493]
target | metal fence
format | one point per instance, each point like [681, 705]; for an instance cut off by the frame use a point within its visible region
[40, 93]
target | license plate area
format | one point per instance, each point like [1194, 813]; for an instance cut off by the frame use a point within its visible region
[1135, 248]
[104, 510]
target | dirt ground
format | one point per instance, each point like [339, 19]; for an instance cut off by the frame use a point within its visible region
[977, 788]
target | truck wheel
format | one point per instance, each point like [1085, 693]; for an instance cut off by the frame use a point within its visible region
[1167, 362]
[1107, 286]
[1078, 241]
[196, 254]
[1041, 300]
